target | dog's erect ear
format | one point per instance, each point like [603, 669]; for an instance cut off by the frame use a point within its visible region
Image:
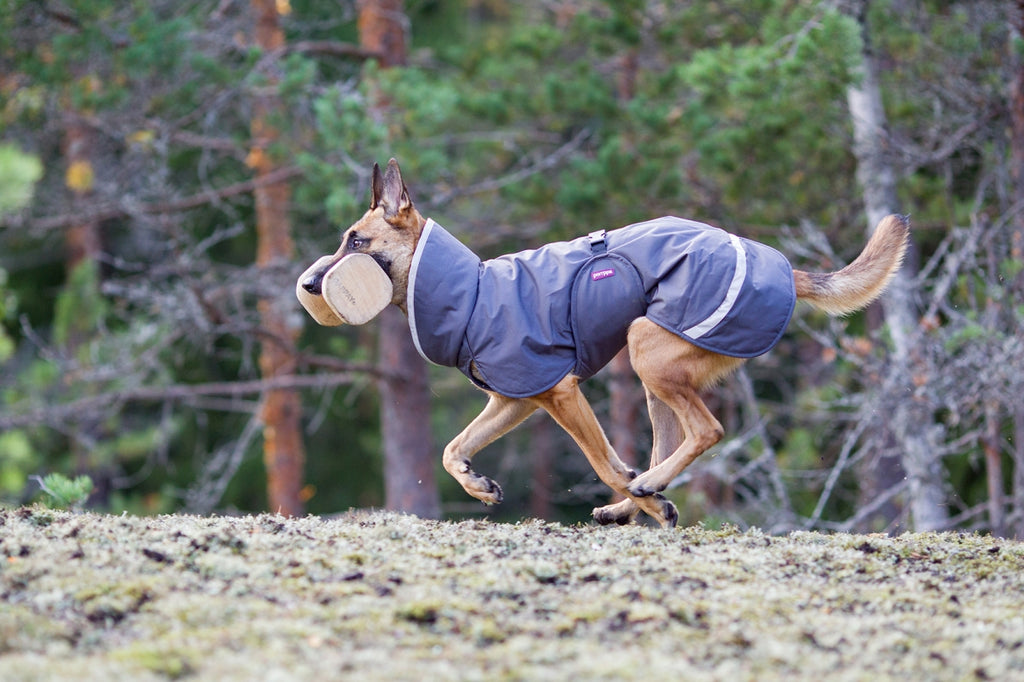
[376, 187]
[394, 197]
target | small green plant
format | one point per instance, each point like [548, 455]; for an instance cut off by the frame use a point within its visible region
[65, 493]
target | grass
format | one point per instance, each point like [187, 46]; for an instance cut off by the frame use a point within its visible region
[382, 596]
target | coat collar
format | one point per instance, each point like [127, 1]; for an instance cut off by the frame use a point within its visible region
[442, 292]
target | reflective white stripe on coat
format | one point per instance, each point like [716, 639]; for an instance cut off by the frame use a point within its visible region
[738, 276]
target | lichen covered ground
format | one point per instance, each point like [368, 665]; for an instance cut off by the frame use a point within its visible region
[391, 597]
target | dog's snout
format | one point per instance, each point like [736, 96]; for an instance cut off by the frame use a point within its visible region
[312, 284]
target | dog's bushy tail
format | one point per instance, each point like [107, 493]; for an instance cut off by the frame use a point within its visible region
[862, 281]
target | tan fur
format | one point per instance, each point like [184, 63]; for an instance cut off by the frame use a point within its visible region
[862, 281]
[672, 370]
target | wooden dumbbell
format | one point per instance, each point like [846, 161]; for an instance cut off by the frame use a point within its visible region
[354, 291]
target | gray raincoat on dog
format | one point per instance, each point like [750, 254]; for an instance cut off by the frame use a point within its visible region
[525, 320]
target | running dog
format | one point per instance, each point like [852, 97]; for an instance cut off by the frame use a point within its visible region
[692, 303]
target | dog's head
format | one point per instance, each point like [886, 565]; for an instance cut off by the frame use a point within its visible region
[388, 233]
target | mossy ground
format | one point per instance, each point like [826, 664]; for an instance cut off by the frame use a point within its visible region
[391, 597]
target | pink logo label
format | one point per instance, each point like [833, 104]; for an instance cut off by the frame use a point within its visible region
[602, 274]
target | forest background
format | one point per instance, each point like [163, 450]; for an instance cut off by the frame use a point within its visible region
[168, 168]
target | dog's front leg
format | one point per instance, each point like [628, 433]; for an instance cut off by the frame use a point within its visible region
[499, 417]
[569, 407]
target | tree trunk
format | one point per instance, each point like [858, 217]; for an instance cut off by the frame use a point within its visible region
[82, 250]
[284, 454]
[382, 30]
[911, 422]
[623, 390]
[1016, 237]
[82, 238]
[994, 470]
[543, 442]
[1016, 103]
[1018, 472]
[410, 484]
[623, 412]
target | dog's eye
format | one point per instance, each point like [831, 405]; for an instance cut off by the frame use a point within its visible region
[356, 243]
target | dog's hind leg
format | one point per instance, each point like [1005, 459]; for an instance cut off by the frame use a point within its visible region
[498, 417]
[568, 406]
[667, 437]
[675, 370]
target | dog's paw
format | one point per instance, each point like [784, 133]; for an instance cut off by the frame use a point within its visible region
[484, 489]
[669, 512]
[621, 513]
[643, 486]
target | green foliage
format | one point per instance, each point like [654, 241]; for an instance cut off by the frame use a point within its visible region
[80, 307]
[8, 305]
[16, 460]
[748, 114]
[965, 336]
[64, 492]
[344, 131]
[19, 173]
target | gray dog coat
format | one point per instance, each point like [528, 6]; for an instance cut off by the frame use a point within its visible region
[517, 324]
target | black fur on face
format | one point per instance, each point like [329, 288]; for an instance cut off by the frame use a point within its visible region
[384, 262]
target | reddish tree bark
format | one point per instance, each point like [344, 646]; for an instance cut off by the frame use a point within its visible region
[382, 25]
[542, 466]
[284, 453]
[82, 238]
[624, 410]
[410, 484]
[82, 249]
[623, 388]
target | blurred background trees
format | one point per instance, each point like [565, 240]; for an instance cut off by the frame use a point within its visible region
[167, 170]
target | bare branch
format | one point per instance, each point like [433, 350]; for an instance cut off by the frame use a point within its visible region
[866, 511]
[837, 470]
[54, 415]
[545, 163]
[111, 211]
[204, 495]
[331, 48]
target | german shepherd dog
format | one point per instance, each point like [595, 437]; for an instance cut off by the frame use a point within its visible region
[674, 366]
